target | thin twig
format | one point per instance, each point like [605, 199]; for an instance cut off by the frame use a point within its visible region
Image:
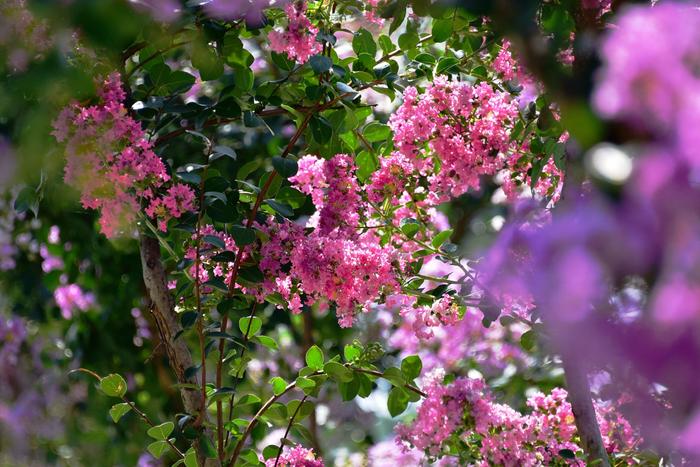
[289, 427]
[130, 404]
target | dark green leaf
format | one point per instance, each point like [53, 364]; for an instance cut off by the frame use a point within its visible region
[242, 235]
[320, 64]
[397, 402]
[363, 42]
[411, 366]
[284, 166]
[442, 29]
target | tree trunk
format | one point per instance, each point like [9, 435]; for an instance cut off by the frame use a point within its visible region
[584, 413]
[179, 355]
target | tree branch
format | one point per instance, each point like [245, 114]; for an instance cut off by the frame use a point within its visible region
[168, 325]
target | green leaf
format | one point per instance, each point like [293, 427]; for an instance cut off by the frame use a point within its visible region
[205, 59]
[321, 129]
[397, 402]
[427, 59]
[348, 391]
[179, 81]
[447, 65]
[224, 257]
[278, 385]
[408, 40]
[375, 132]
[282, 209]
[409, 227]
[366, 165]
[113, 385]
[386, 44]
[320, 64]
[268, 342]
[222, 212]
[158, 448]
[365, 385]
[243, 77]
[242, 235]
[249, 325]
[219, 152]
[338, 372]
[161, 431]
[362, 42]
[214, 240]
[304, 383]
[394, 376]
[284, 166]
[119, 410]
[411, 366]
[291, 196]
[207, 446]
[441, 238]
[282, 62]
[351, 352]
[191, 458]
[270, 451]
[248, 399]
[314, 358]
[528, 340]
[442, 29]
[567, 454]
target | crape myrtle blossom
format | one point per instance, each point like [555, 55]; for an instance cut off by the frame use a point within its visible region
[298, 456]
[71, 298]
[348, 270]
[454, 133]
[465, 408]
[298, 40]
[110, 161]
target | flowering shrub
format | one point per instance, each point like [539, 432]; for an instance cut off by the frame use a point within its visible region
[368, 233]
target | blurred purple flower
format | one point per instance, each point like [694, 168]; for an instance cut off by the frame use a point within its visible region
[71, 298]
[250, 10]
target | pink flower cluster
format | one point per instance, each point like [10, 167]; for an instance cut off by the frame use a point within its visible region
[504, 64]
[425, 319]
[113, 165]
[371, 13]
[70, 298]
[298, 41]
[208, 268]
[298, 456]
[349, 270]
[336, 261]
[453, 133]
[466, 407]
